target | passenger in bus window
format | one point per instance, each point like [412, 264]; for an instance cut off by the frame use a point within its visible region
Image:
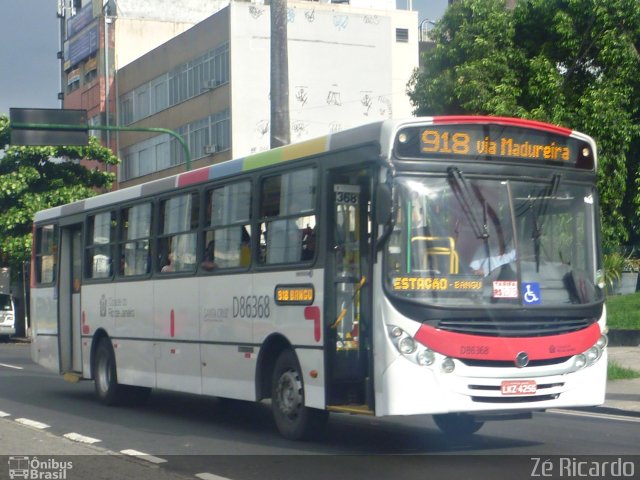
[245, 248]
[208, 258]
[171, 265]
[308, 243]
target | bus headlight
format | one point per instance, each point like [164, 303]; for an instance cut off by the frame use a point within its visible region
[602, 342]
[406, 345]
[409, 348]
[426, 358]
[592, 355]
[580, 361]
[448, 365]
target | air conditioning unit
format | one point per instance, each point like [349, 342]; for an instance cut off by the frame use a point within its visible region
[209, 149]
[210, 84]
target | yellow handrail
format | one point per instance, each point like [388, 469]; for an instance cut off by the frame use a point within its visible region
[450, 250]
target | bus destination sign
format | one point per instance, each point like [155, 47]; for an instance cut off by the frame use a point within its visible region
[493, 142]
[294, 294]
[408, 283]
[449, 140]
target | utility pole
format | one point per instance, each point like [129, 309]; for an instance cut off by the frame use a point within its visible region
[280, 123]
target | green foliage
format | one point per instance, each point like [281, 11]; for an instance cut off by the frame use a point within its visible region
[567, 62]
[623, 311]
[618, 372]
[35, 178]
[613, 266]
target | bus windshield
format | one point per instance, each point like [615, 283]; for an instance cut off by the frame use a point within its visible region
[463, 242]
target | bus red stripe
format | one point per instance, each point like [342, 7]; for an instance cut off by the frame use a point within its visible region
[460, 345]
[516, 122]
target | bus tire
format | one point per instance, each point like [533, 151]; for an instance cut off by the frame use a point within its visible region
[293, 420]
[107, 388]
[457, 424]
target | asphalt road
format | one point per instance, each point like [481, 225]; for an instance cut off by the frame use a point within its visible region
[186, 435]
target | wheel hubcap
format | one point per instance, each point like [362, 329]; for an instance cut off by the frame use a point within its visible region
[289, 393]
[104, 374]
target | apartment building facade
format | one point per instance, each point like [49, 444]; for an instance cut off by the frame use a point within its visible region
[205, 73]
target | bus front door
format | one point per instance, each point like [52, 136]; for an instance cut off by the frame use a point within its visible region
[69, 322]
[348, 303]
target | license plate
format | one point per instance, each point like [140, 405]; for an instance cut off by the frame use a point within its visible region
[518, 387]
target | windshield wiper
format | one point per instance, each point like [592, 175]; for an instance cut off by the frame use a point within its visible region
[539, 215]
[463, 193]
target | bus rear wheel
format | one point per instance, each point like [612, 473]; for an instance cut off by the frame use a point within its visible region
[293, 419]
[457, 424]
[107, 388]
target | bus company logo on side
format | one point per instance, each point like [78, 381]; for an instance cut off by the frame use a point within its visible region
[103, 305]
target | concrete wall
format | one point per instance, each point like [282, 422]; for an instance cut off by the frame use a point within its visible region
[345, 69]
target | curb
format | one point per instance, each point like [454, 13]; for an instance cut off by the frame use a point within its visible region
[609, 411]
[624, 338]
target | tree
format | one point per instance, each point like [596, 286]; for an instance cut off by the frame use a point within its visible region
[35, 178]
[567, 62]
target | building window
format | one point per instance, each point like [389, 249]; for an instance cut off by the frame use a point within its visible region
[402, 35]
[184, 82]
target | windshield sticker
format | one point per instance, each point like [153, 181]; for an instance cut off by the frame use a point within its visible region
[428, 284]
[531, 293]
[505, 289]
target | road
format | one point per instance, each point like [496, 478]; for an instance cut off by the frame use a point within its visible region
[188, 435]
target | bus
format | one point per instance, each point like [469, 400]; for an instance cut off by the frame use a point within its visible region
[447, 266]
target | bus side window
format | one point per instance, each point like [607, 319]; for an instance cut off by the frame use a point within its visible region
[135, 242]
[177, 233]
[100, 245]
[46, 254]
[287, 209]
[227, 235]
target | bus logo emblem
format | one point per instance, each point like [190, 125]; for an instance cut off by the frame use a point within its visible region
[522, 360]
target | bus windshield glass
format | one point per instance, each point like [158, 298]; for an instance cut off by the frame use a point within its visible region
[464, 242]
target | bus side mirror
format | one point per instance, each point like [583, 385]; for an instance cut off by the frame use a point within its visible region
[384, 203]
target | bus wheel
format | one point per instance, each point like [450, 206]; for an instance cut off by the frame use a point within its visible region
[457, 424]
[107, 388]
[293, 419]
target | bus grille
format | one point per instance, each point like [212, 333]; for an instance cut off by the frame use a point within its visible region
[472, 362]
[510, 327]
[524, 399]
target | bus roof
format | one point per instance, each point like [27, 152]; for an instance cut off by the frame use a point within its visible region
[379, 133]
[362, 135]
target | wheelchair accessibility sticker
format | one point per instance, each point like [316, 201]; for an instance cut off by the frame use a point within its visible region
[531, 293]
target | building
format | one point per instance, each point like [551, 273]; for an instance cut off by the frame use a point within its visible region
[208, 78]
[95, 45]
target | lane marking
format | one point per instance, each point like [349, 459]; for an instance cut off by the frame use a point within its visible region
[32, 423]
[210, 476]
[143, 456]
[11, 366]
[4, 414]
[604, 416]
[76, 437]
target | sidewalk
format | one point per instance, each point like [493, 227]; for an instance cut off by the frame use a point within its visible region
[624, 395]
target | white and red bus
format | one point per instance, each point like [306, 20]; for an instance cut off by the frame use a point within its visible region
[440, 265]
